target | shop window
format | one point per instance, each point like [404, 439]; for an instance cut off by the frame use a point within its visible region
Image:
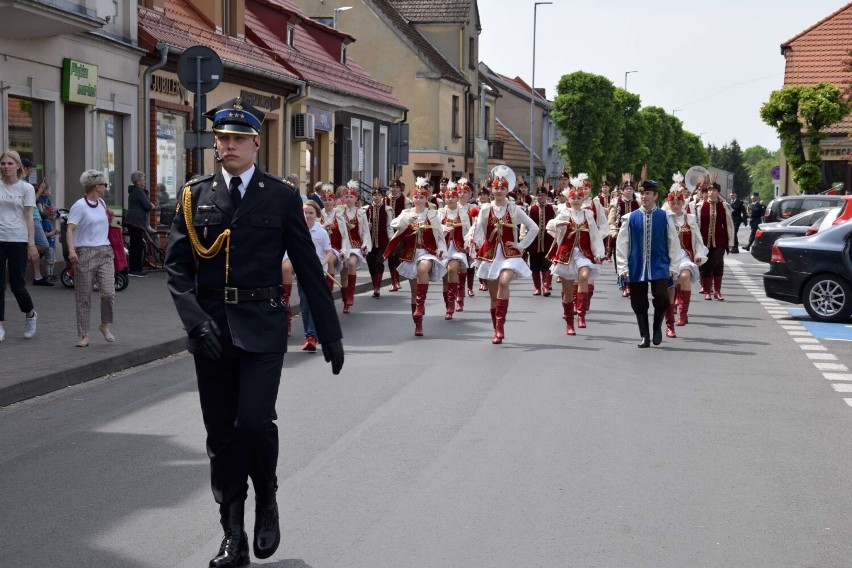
[171, 156]
[26, 133]
[110, 156]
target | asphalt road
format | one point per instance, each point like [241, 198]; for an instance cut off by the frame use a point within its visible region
[728, 446]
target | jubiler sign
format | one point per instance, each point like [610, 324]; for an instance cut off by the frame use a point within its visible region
[79, 82]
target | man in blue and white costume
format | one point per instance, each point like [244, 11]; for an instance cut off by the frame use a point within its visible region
[648, 252]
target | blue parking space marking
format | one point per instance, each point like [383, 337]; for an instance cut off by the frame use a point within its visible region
[836, 331]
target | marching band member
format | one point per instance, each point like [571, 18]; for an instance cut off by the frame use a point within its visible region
[465, 193]
[436, 201]
[620, 209]
[578, 254]
[379, 216]
[483, 198]
[605, 200]
[360, 242]
[541, 212]
[717, 230]
[398, 203]
[332, 221]
[694, 255]
[419, 232]
[456, 226]
[602, 221]
[648, 254]
[499, 252]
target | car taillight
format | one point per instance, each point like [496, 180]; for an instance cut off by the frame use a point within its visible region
[776, 255]
[758, 234]
[811, 231]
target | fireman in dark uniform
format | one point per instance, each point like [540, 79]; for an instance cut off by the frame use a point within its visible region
[229, 234]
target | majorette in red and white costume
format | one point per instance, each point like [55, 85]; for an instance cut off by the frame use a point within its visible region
[541, 212]
[360, 241]
[717, 231]
[331, 219]
[379, 215]
[576, 254]
[472, 210]
[398, 203]
[499, 253]
[456, 225]
[420, 233]
[694, 255]
[600, 213]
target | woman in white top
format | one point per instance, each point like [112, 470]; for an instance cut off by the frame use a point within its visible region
[694, 255]
[419, 232]
[322, 245]
[499, 253]
[360, 240]
[456, 226]
[17, 239]
[91, 255]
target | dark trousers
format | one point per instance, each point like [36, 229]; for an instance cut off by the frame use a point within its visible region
[15, 254]
[393, 261]
[659, 292]
[136, 248]
[238, 395]
[715, 265]
[376, 261]
[736, 233]
[755, 224]
[538, 262]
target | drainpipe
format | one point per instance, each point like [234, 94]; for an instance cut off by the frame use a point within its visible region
[288, 112]
[164, 55]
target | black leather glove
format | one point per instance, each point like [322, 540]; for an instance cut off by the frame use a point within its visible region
[333, 353]
[207, 335]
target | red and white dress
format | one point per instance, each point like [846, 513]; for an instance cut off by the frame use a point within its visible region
[456, 226]
[332, 221]
[694, 251]
[358, 230]
[495, 227]
[578, 244]
[423, 239]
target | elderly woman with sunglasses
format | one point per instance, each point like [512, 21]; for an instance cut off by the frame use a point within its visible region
[91, 255]
[499, 253]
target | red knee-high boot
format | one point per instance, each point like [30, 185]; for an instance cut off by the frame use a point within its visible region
[670, 321]
[568, 316]
[286, 290]
[483, 284]
[589, 297]
[450, 299]
[420, 308]
[685, 297]
[377, 285]
[350, 295]
[580, 308]
[574, 297]
[329, 281]
[470, 276]
[394, 279]
[460, 293]
[717, 288]
[500, 320]
[706, 287]
[546, 278]
[536, 276]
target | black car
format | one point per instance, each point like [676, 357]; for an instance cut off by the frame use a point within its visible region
[788, 206]
[801, 225]
[815, 271]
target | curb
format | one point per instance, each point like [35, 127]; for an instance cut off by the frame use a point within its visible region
[113, 364]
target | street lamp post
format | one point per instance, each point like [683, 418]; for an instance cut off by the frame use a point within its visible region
[531, 179]
[336, 10]
[626, 73]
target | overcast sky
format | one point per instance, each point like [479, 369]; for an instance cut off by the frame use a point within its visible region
[716, 61]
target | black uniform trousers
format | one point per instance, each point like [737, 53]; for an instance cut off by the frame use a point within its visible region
[137, 247]
[238, 394]
[659, 292]
[737, 224]
[538, 262]
[715, 265]
[376, 261]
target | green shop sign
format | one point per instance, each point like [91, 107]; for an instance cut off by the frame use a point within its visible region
[79, 82]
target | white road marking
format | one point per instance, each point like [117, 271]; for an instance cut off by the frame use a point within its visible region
[842, 387]
[831, 366]
[821, 356]
[806, 339]
[837, 376]
[813, 348]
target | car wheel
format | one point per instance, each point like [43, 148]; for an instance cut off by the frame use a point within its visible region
[121, 281]
[828, 298]
[66, 278]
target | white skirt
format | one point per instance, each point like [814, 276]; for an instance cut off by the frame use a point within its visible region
[571, 271]
[453, 254]
[490, 269]
[408, 269]
[686, 264]
[362, 262]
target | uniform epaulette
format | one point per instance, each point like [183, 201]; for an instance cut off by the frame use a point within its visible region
[199, 179]
[282, 180]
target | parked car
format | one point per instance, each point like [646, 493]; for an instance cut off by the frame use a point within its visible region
[788, 206]
[801, 225]
[838, 215]
[814, 271]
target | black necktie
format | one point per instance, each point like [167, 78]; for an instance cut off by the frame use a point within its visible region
[236, 197]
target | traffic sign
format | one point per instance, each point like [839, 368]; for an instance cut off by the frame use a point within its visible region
[776, 172]
[200, 69]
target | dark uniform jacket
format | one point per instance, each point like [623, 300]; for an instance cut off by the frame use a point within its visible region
[738, 210]
[268, 223]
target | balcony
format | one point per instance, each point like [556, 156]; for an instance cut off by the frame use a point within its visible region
[495, 148]
[32, 19]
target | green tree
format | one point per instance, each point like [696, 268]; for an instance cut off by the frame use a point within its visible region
[731, 160]
[800, 114]
[759, 161]
[754, 154]
[587, 115]
[633, 149]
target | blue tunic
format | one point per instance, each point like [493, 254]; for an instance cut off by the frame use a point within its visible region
[649, 245]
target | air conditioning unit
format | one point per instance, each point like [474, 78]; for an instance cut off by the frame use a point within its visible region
[303, 126]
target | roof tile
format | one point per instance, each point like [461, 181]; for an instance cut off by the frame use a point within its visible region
[433, 11]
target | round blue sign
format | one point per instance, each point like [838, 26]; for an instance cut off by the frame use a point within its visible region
[776, 172]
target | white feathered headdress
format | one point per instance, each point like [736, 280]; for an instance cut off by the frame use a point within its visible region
[351, 188]
[421, 182]
[677, 186]
[503, 172]
[451, 185]
[463, 181]
[677, 177]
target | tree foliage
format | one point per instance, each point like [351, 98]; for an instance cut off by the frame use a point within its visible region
[800, 115]
[607, 131]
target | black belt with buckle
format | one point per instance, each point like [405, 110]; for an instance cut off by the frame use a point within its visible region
[239, 295]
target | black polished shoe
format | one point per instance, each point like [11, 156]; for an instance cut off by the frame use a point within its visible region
[659, 316]
[267, 534]
[233, 551]
[642, 320]
[645, 343]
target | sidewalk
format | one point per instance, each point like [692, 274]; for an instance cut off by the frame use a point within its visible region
[146, 328]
